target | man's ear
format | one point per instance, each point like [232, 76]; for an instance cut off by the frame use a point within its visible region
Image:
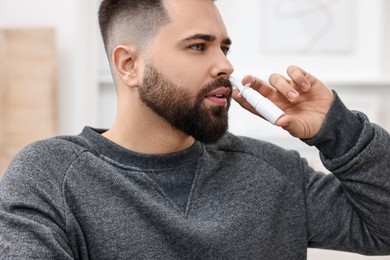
[125, 60]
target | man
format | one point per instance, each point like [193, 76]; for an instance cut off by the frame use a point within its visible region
[167, 182]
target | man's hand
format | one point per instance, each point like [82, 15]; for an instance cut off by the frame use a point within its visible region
[304, 99]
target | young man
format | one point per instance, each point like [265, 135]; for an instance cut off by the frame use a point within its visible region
[167, 182]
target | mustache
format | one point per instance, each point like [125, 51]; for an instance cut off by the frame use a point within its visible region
[220, 82]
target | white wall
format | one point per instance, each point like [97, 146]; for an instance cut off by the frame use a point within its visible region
[74, 24]
[364, 62]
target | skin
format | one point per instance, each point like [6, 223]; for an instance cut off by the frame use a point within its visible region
[304, 99]
[190, 51]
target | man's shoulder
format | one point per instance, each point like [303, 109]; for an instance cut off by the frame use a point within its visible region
[261, 157]
[54, 154]
[62, 146]
[244, 144]
[258, 150]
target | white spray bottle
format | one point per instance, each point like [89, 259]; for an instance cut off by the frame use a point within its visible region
[264, 106]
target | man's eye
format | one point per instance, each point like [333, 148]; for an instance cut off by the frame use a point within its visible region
[225, 50]
[197, 47]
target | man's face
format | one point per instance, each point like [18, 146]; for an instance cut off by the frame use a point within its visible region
[185, 79]
[183, 111]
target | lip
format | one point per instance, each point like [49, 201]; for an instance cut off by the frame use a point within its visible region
[219, 96]
[221, 91]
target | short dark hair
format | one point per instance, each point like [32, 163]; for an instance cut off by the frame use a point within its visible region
[135, 20]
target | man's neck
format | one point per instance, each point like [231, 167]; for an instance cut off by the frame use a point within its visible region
[144, 132]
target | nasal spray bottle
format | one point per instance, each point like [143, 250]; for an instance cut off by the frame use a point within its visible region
[264, 106]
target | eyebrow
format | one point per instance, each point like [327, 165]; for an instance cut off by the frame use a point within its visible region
[206, 37]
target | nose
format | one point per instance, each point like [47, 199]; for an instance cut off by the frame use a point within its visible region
[222, 66]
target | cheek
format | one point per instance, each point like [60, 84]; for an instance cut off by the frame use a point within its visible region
[184, 71]
[186, 79]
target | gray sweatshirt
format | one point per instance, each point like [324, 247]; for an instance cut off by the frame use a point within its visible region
[84, 197]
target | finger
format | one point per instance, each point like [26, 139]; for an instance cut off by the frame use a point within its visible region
[284, 86]
[259, 85]
[299, 77]
[293, 126]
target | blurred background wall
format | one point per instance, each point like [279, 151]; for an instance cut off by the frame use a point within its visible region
[345, 43]
[28, 88]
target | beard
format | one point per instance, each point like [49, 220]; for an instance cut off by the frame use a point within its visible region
[181, 110]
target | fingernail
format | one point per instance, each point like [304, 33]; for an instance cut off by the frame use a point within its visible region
[292, 95]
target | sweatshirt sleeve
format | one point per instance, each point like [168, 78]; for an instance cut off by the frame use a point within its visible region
[349, 209]
[32, 217]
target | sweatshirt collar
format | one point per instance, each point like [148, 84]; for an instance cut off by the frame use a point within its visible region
[106, 148]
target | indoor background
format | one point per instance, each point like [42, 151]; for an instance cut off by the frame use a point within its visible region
[345, 43]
